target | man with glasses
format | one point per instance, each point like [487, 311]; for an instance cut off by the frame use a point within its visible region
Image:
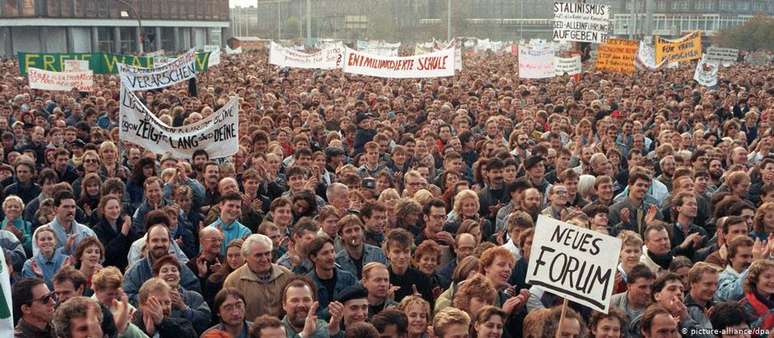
[230, 305]
[435, 217]
[33, 308]
[557, 198]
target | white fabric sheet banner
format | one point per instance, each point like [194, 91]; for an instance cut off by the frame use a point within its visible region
[723, 56]
[214, 58]
[646, 57]
[536, 63]
[575, 263]
[706, 73]
[327, 58]
[6, 303]
[218, 134]
[569, 66]
[436, 64]
[581, 22]
[165, 75]
[61, 81]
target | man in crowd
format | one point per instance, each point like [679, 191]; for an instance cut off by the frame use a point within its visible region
[356, 253]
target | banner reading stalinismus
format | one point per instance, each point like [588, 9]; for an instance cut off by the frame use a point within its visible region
[329, 57]
[218, 134]
[581, 22]
[436, 64]
[684, 49]
[168, 74]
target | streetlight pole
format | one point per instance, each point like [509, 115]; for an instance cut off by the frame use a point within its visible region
[448, 20]
[131, 8]
[308, 22]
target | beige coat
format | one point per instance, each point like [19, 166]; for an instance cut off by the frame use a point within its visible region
[260, 298]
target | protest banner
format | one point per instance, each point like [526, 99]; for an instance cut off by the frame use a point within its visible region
[76, 66]
[329, 57]
[234, 51]
[99, 63]
[61, 81]
[436, 64]
[706, 73]
[684, 49]
[214, 51]
[723, 56]
[758, 58]
[569, 66]
[617, 55]
[646, 58]
[581, 22]
[6, 303]
[536, 63]
[218, 133]
[168, 74]
[576, 263]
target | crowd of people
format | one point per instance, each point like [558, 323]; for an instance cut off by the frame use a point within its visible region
[368, 207]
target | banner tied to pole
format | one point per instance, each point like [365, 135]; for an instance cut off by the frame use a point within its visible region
[218, 134]
[168, 74]
[83, 81]
[330, 57]
[436, 64]
[684, 49]
[576, 263]
[581, 22]
[706, 73]
[617, 55]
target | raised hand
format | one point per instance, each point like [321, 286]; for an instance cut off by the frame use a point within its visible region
[310, 325]
[336, 310]
[36, 268]
[122, 314]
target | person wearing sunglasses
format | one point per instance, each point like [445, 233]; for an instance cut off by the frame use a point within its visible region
[33, 308]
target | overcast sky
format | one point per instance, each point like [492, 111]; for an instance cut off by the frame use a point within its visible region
[243, 3]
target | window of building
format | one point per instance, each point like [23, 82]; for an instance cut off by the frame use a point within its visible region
[28, 8]
[759, 6]
[105, 39]
[743, 6]
[680, 5]
[10, 8]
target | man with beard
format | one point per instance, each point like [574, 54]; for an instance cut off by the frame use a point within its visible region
[24, 185]
[657, 255]
[703, 281]
[328, 279]
[687, 238]
[716, 174]
[33, 308]
[154, 314]
[532, 203]
[740, 256]
[356, 253]
[638, 291]
[667, 165]
[376, 279]
[631, 211]
[300, 306]
[210, 179]
[69, 233]
[157, 241]
[493, 196]
[230, 305]
[374, 216]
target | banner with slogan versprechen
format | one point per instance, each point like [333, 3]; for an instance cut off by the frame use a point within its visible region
[581, 22]
[218, 134]
[83, 81]
[536, 62]
[161, 76]
[436, 64]
[99, 63]
[684, 49]
[617, 55]
[576, 263]
[329, 57]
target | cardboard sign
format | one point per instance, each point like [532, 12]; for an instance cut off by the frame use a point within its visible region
[436, 64]
[684, 49]
[573, 262]
[617, 55]
[569, 66]
[581, 22]
[99, 63]
[168, 74]
[536, 63]
[76, 66]
[724, 56]
[61, 81]
[706, 73]
[327, 58]
[218, 133]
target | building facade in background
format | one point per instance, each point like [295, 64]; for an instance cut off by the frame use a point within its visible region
[420, 20]
[84, 26]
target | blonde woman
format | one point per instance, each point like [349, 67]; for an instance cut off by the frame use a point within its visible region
[13, 221]
[466, 207]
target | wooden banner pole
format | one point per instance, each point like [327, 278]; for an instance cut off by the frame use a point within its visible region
[561, 319]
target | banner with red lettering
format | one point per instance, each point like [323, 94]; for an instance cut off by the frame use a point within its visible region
[436, 64]
[536, 62]
[61, 81]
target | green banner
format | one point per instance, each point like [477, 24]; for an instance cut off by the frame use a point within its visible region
[100, 63]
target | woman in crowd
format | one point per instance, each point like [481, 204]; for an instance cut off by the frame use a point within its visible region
[763, 223]
[427, 256]
[89, 255]
[390, 198]
[474, 293]
[13, 222]
[112, 229]
[108, 153]
[185, 303]
[631, 250]
[234, 260]
[489, 322]
[466, 207]
[758, 301]
[143, 169]
[90, 196]
[610, 325]
[418, 312]
[48, 260]
[465, 269]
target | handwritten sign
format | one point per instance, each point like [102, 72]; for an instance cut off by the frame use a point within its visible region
[168, 74]
[329, 57]
[581, 22]
[617, 55]
[535, 62]
[724, 56]
[573, 262]
[436, 64]
[569, 66]
[61, 81]
[684, 49]
[706, 73]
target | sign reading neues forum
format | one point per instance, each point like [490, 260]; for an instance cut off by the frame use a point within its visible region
[573, 262]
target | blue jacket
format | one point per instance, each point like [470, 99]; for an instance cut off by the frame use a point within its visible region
[730, 285]
[370, 254]
[142, 271]
[343, 280]
[232, 231]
